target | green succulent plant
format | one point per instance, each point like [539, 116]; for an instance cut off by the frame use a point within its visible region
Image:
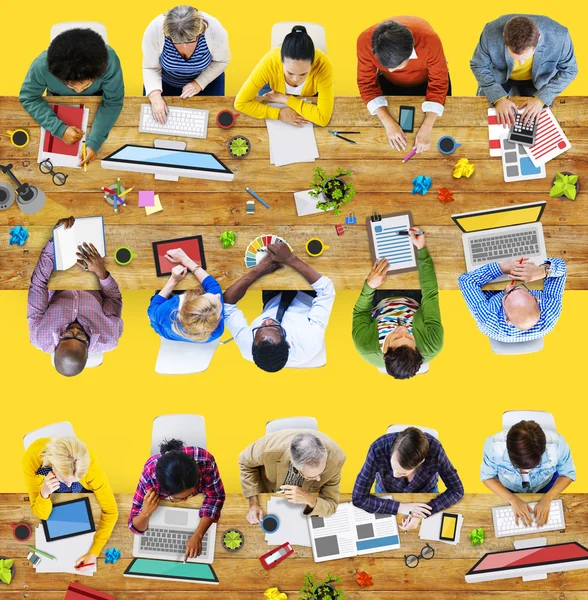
[564, 185]
[233, 539]
[239, 146]
[312, 589]
[332, 191]
[6, 570]
[228, 238]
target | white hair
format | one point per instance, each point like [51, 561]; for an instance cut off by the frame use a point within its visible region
[307, 450]
[183, 24]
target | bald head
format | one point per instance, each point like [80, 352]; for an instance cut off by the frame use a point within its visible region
[521, 309]
[70, 357]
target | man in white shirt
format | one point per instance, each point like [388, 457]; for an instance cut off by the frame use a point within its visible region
[291, 329]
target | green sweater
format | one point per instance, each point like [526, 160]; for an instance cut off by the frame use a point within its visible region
[427, 328]
[39, 80]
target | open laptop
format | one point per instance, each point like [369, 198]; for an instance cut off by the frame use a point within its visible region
[169, 530]
[498, 233]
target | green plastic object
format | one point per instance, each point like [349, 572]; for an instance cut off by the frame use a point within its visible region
[6, 570]
[564, 185]
[228, 239]
[477, 536]
[233, 540]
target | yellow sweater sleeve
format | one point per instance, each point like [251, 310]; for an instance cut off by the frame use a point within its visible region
[264, 73]
[31, 462]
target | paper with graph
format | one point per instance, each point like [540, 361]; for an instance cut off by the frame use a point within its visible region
[386, 242]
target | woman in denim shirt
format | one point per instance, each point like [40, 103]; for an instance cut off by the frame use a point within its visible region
[526, 459]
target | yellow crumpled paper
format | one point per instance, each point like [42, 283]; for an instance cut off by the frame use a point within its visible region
[275, 594]
[463, 168]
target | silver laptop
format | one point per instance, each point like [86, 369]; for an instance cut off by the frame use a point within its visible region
[169, 530]
[496, 234]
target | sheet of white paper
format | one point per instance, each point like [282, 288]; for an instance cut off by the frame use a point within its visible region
[60, 160]
[66, 552]
[86, 229]
[517, 164]
[398, 249]
[550, 140]
[431, 529]
[293, 527]
[306, 204]
[375, 532]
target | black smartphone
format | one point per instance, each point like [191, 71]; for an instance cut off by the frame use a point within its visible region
[406, 118]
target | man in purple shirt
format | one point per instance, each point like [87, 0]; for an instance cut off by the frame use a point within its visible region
[73, 323]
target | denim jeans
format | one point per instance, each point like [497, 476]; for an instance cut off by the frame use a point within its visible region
[215, 88]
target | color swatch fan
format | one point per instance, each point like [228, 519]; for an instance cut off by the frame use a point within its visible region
[257, 249]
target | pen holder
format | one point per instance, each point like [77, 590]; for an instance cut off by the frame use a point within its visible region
[110, 197]
[123, 256]
[315, 247]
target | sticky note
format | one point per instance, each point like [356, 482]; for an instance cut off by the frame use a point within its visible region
[146, 198]
[149, 210]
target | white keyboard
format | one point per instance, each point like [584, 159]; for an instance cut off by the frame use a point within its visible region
[183, 122]
[504, 521]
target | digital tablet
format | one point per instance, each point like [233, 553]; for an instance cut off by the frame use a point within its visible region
[192, 246]
[150, 568]
[69, 519]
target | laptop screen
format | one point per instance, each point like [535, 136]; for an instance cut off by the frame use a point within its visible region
[196, 572]
[499, 217]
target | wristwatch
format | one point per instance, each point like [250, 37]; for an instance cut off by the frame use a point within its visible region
[547, 266]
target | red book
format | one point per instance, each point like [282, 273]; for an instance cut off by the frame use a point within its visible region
[75, 591]
[71, 116]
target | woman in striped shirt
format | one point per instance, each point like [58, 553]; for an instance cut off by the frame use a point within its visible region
[185, 53]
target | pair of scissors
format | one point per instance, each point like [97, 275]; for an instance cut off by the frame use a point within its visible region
[336, 134]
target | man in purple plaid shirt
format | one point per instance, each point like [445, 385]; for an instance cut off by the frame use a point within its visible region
[409, 461]
[70, 324]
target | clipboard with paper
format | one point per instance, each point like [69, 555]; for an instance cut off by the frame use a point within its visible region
[385, 241]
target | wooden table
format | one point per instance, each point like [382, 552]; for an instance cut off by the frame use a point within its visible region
[194, 206]
[242, 576]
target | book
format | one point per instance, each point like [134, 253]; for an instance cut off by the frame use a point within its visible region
[75, 591]
[66, 241]
[54, 148]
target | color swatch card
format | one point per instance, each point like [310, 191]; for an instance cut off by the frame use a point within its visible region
[517, 165]
[257, 249]
[550, 140]
[386, 242]
[496, 133]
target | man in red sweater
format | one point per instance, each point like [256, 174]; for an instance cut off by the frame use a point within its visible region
[403, 57]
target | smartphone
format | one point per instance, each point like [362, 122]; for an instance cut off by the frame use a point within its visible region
[448, 527]
[406, 118]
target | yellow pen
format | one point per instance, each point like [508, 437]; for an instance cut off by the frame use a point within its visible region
[84, 155]
[125, 193]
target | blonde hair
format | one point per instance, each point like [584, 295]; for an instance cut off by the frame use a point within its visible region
[68, 455]
[198, 316]
[183, 24]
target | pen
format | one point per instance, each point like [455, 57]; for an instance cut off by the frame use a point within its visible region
[409, 156]
[125, 192]
[512, 281]
[406, 232]
[115, 206]
[407, 520]
[84, 154]
[118, 186]
[82, 566]
[41, 553]
[108, 190]
[257, 197]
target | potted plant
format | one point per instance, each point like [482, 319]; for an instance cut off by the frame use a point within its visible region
[332, 190]
[6, 570]
[239, 146]
[320, 590]
[232, 540]
[564, 185]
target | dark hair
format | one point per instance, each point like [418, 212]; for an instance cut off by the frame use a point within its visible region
[525, 443]
[298, 45]
[70, 360]
[77, 55]
[175, 470]
[403, 362]
[521, 33]
[271, 357]
[411, 447]
[392, 43]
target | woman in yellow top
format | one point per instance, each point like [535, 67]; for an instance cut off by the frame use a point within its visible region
[66, 465]
[286, 73]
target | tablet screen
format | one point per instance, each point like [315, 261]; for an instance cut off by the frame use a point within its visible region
[148, 567]
[192, 246]
[69, 519]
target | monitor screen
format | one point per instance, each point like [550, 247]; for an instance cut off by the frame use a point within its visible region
[196, 572]
[162, 157]
[69, 519]
[499, 217]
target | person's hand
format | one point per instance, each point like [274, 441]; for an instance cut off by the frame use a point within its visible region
[522, 511]
[90, 157]
[419, 241]
[422, 141]
[72, 135]
[267, 266]
[409, 523]
[378, 274]
[255, 514]
[178, 256]
[150, 503]
[532, 109]
[50, 484]
[90, 260]
[67, 222]
[418, 509]
[297, 495]
[193, 546]
[87, 559]
[541, 511]
[279, 252]
[275, 97]
[190, 90]
[527, 271]
[507, 265]
[505, 112]
[290, 116]
[178, 273]
[396, 137]
[159, 108]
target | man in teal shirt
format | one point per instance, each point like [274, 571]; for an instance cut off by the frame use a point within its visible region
[77, 63]
[399, 332]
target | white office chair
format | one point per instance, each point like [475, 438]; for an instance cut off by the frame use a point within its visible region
[315, 31]
[320, 360]
[94, 360]
[99, 28]
[545, 419]
[56, 430]
[182, 358]
[517, 348]
[191, 429]
[399, 428]
[291, 423]
[424, 369]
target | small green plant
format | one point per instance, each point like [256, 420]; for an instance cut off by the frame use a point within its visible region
[239, 146]
[332, 190]
[313, 589]
[6, 570]
[564, 185]
[233, 539]
[228, 238]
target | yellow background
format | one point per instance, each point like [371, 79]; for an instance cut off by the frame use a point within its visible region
[463, 395]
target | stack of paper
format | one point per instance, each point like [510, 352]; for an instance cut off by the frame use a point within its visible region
[431, 529]
[89, 230]
[65, 551]
[306, 204]
[293, 523]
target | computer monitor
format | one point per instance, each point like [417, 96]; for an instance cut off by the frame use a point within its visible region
[167, 163]
[529, 563]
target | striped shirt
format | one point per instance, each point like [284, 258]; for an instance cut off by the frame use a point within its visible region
[293, 477]
[176, 70]
[392, 312]
[486, 305]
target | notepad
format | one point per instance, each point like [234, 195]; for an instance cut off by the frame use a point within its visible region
[146, 198]
[386, 243]
[149, 210]
[65, 551]
[66, 241]
[58, 152]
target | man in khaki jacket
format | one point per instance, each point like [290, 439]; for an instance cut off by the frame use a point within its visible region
[305, 465]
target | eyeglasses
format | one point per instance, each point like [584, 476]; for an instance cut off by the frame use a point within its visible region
[81, 336]
[412, 560]
[275, 325]
[516, 287]
[174, 499]
[181, 43]
[46, 167]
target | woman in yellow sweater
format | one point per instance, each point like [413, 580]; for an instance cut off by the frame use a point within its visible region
[53, 465]
[293, 70]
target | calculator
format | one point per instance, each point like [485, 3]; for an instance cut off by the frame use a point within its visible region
[523, 134]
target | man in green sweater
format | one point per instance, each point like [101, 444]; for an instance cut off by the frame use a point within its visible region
[397, 331]
[77, 63]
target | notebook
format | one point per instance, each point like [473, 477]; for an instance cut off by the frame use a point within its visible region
[54, 148]
[76, 591]
[66, 241]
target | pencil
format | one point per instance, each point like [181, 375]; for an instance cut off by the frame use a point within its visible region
[40, 553]
[125, 193]
[409, 156]
[118, 186]
[84, 155]
[257, 197]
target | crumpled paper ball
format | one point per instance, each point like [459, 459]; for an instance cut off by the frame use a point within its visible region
[477, 536]
[112, 555]
[445, 195]
[421, 184]
[275, 594]
[228, 238]
[18, 235]
[463, 168]
[364, 580]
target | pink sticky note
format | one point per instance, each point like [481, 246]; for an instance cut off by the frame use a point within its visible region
[146, 198]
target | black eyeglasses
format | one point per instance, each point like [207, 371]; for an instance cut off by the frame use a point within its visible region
[274, 325]
[46, 167]
[516, 287]
[82, 336]
[172, 498]
[412, 560]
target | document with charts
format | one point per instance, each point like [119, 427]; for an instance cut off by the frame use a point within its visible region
[550, 140]
[351, 531]
[385, 241]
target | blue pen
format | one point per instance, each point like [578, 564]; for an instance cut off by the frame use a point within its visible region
[257, 197]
